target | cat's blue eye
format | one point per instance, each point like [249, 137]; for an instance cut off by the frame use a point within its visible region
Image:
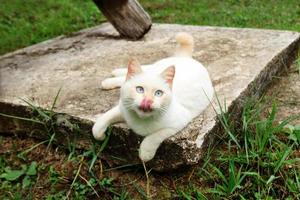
[158, 93]
[139, 89]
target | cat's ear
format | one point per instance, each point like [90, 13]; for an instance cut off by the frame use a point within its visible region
[134, 68]
[168, 74]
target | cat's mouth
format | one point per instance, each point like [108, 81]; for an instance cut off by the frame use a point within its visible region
[145, 109]
[144, 113]
[146, 105]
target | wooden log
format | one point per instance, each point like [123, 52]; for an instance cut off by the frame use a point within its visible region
[127, 16]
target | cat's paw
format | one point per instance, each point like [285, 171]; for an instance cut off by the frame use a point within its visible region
[112, 83]
[146, 152]
[107, 84]
[99, 131]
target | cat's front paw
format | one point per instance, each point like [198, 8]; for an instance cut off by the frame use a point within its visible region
[107, 84]
[99, 131]
[146, 152]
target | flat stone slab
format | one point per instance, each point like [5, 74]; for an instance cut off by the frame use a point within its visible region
[241, 63]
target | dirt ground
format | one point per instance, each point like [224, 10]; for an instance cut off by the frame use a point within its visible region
[132, 179]
[67, 163]
[286, 94]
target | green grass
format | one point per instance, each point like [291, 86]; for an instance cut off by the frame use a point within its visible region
[23, 24]
[273, 14]
[264, 165]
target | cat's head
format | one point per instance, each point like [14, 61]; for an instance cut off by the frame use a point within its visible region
[145, 93]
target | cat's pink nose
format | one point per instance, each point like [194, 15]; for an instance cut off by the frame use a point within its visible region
[146, 105]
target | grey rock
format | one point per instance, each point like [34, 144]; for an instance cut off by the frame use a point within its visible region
[242, 63]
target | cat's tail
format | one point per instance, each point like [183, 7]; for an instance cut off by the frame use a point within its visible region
[185, 44]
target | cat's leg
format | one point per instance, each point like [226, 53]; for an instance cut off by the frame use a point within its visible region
[123, 71]
[111, 83]
[151, 143]
[110, 117]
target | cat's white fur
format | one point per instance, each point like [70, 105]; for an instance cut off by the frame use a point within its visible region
[184, 97]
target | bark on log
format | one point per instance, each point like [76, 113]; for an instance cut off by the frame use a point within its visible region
[127, 16]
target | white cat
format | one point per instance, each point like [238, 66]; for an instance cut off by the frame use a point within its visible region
[160, 99]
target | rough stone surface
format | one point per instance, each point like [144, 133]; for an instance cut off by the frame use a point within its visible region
[241, 62]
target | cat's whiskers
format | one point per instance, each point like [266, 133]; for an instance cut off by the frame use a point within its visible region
[162, 110]
[128, 103]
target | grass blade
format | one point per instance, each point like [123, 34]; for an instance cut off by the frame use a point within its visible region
[21, 118]
[55, 99]
[284, 156]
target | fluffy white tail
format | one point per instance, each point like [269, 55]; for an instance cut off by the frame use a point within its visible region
[185, 44]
